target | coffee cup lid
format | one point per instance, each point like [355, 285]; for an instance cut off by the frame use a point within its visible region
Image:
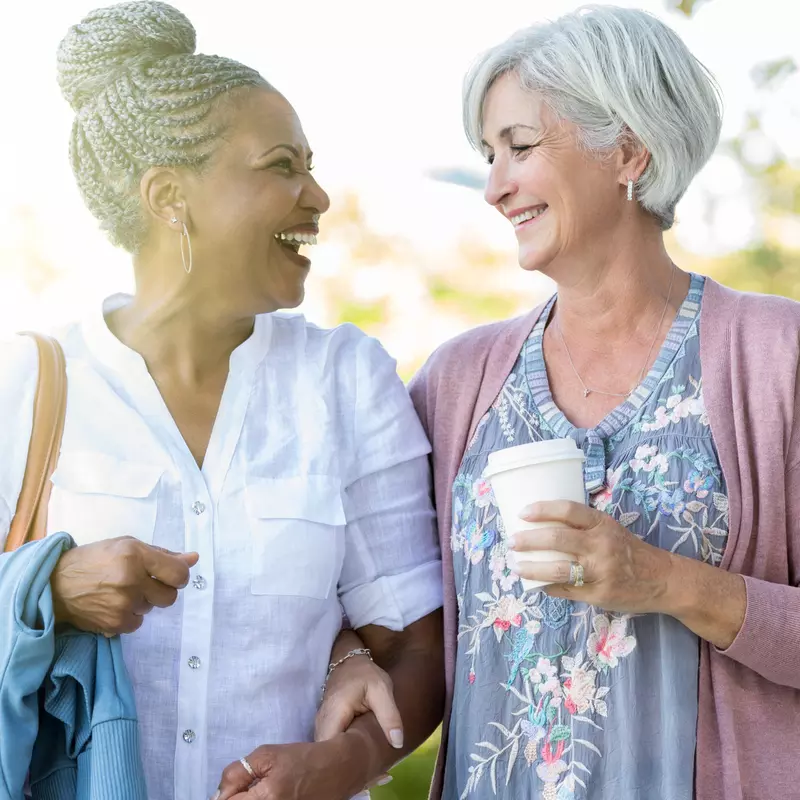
[524, 455]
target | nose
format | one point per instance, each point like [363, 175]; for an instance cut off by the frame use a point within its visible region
[499, 185]
[315, 197]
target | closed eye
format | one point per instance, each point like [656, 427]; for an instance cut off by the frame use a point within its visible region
[287, 165]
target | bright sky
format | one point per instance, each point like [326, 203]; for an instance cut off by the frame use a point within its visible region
[377, 86]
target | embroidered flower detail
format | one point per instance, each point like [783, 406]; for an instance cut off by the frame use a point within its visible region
[675, 410]
[482, 493]
[579, 690]
[602, 500]
[501, 572]
[697, 483]
[543, 670]
[609, 642]
[552, 767]
[649, 459]
[471, 677]
[671, 504]
[506, 614]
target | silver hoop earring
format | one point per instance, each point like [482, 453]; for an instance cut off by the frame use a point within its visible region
[185, 235]
[630, 188]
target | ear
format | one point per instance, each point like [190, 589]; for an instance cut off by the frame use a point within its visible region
[632, 159]
[162, 196]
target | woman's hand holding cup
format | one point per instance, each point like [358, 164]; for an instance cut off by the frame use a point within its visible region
[620, 571]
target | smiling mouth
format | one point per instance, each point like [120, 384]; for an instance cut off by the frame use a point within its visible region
[519, 220]
[293, 241]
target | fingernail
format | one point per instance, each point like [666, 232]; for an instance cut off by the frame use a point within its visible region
[511, 542]
[511, 561]
[216, 796]
[527, 511]
[396, 738]
[384, 780]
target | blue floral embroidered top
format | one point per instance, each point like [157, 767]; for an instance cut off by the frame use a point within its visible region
[557, 700]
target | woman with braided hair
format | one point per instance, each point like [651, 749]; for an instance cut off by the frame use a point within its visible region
[242, 474]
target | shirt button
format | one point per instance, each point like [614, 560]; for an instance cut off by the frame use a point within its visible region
[188, 736]
[198, 507]
[194, 662]
[199, 582]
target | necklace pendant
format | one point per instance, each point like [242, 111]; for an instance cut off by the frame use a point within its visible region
[587, 392]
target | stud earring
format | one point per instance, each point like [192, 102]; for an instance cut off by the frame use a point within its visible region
[630, 188]
[173, 220]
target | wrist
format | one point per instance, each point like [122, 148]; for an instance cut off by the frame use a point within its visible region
[346, 641]
[358, 759]
[60, 607]
[679, 595]
[361, 652]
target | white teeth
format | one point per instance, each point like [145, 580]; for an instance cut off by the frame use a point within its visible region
[300, 238]
[526, 215]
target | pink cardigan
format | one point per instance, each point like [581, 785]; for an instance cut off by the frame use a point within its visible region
[748, 737]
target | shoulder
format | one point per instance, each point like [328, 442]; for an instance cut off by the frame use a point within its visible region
[336, 347]
[351, 363]
[465, 355]
[758, 317]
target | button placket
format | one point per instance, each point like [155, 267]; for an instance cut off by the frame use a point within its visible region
[195, 636]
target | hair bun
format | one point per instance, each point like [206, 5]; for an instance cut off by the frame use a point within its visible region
[116, 38]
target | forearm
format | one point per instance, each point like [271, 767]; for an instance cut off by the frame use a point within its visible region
[709, 601]
[415, 663]
[346, 641]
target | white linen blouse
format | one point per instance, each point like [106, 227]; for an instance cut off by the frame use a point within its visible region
[313, 499]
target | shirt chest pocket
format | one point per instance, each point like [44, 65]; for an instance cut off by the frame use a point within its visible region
[297, 534]
[96, 497]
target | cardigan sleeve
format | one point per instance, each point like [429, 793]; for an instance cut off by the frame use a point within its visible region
[769, 639]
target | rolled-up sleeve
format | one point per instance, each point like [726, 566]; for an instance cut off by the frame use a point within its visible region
[392, 572]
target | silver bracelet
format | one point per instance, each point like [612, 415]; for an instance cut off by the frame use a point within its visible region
[361, 651]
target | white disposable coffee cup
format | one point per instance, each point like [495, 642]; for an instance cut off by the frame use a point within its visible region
[531, 473]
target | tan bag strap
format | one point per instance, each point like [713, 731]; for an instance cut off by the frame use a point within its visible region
[49, 410]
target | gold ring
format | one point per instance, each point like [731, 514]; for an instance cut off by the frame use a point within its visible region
[246, 764]
[575, 574]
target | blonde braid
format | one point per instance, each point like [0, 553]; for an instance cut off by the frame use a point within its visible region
[142, 98]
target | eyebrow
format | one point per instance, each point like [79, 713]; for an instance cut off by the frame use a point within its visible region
[508, 132]
[291, 148]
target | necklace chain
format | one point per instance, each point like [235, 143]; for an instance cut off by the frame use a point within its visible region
[586, 390]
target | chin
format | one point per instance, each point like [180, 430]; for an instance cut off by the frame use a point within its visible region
[290, 301]
[534, 260]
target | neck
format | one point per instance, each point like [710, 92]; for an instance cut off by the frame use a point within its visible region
[619, 299]
[180, 331]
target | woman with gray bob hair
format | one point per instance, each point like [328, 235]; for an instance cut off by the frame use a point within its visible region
[617, 75]
[233, 477]
[657, 654]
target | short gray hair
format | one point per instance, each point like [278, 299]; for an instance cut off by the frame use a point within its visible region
[613, 72]
[141, 98]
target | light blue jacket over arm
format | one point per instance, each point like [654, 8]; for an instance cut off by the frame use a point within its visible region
[67, 711]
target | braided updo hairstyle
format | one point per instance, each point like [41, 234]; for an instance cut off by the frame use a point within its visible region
[142, 98]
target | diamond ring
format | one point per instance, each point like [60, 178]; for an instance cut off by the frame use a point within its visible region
[575, 574]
